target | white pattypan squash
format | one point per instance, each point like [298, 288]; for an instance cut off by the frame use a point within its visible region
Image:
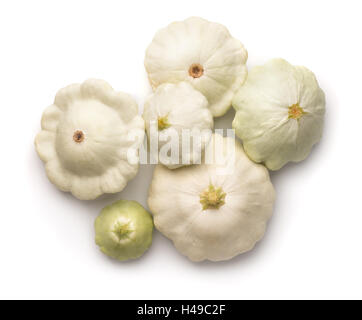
[279, 113]
[85, 141]
[213, 211]
[176, 111]
[202, 53]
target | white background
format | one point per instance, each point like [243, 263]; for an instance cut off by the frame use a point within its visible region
[312, 248]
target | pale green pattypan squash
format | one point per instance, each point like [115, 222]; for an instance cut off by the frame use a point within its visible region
[202, 53]
[172, 114]
[124, 230]
[279, 113]
[215, 210]
[85, 139]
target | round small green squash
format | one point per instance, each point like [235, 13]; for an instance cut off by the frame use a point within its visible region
[124, 230]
